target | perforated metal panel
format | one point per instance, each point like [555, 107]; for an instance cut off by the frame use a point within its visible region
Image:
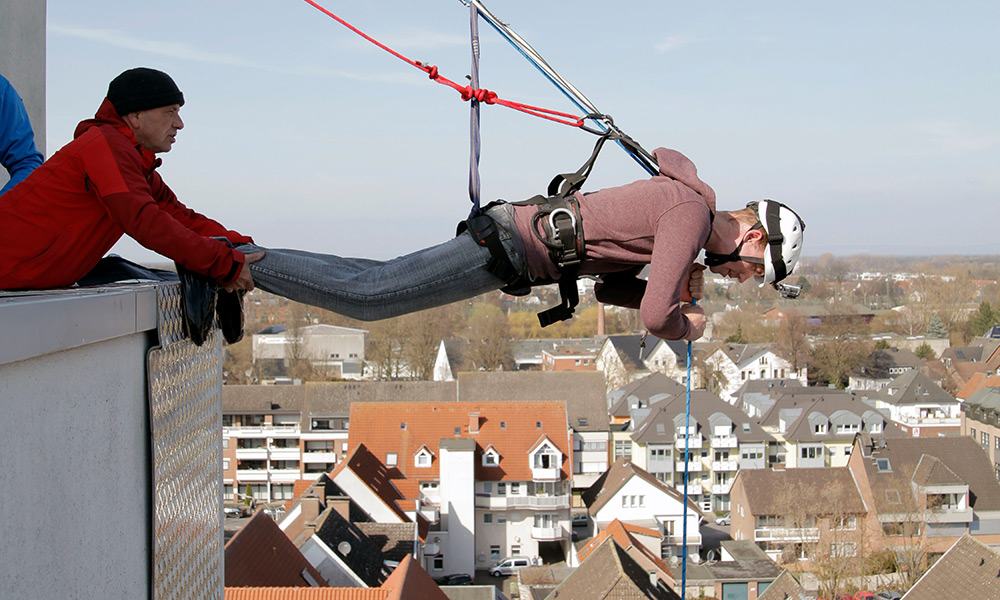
[185, 396]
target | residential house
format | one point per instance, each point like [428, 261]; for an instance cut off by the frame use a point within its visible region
[536, 582]
[778, 511]
[969, 569]
[569, 358]
[733, 364]
[786, 587]
[338, 352]
[742, 571]
[981, 422]
[756, 396]
[609, 571]
[925, 493]
[920, 407]
[492, 478]
[815, 427]
[583, 396]
[881, 367]
[631, 495]
[529, 354]
[638, 542]
[260, 555]
[820, 314]
[625, 358]
[981, 356]
[721, 440]
[977, 382]
[639, 394]
[407, 582]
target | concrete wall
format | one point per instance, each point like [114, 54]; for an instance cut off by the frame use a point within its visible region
[22, 59]
[75, 489]
[458, 509]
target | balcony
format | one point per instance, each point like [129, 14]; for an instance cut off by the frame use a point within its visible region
[786, 534]
[678, 540]
[548, 534]
[722, 488]
[694, 465]
[545, 502]
[928, 421]
[251, 475]
[694, 488]
[696, 441]
[261, 431]
[724, 441]
[285, 453]
[319, 457]
[251, 454]
[948, 515]
[725, 465]
[284, 475]
[546, 474]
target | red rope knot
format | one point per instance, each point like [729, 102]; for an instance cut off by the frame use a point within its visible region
[431, 70]
[479, 94]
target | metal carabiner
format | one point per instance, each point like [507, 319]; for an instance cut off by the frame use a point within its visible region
[552, 220]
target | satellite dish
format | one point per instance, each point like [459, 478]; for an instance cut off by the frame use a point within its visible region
[432, 549]
[344, 548]
[710, 555]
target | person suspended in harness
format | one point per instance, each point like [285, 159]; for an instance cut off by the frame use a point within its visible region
[663, 221]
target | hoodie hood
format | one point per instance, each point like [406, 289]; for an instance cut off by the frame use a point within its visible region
[678, 167]
[107, 116]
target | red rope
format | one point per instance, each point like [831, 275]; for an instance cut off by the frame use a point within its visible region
[467, 92]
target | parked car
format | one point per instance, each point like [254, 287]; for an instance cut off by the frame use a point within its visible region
[509, 566]
[580, 520]
[454, 579]
[888, 595]
[232, 512]
[726, 520]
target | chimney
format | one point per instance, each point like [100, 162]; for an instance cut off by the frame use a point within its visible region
[474, 422]
[341, 505]
[310, 508]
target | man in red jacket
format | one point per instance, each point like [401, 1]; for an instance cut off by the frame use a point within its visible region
[58, 223]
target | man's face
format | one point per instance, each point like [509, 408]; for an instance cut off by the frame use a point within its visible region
[753, 247]
[157, 128]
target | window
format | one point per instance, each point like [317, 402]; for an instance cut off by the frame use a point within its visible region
[847, 450]
[227, 420]
[624, 501]
[225, 442]
[225, 464]
[494, 552]
[623, 449]
[819, 428]
[402, 425]
[487, 517]
[849, 523]
[876, 427]
[428, 486]
[502, 488]
[746, 427]
[501, 518]
[844, 549]
[503, 425]
[985, 441]
[642, 501]
[282, 491]
[515, 548]
[490, 458]
[423, 459]
[515, 488]
[812, 452]
[883, 466]
[390, 459]
[972, 430]
[754, 454]
[538, 424]
[438, 563]
[227, 490]
[488, 487]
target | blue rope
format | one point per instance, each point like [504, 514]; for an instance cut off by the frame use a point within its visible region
[687, 437]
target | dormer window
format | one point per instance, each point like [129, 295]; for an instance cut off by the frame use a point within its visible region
[819, 428]
[423, 458]
[390, 459]
[491, 458]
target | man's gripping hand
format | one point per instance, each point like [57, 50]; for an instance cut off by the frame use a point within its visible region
[696, 317]
[695, 288]
[244, 281]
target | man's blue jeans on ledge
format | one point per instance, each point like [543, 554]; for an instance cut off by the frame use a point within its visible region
[370, 290]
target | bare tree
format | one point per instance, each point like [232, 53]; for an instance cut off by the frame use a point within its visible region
[790, 341]
[489, 338]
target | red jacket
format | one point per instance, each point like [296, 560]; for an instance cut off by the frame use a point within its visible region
[56, 224]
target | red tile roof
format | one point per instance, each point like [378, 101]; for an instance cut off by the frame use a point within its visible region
[513, 428]
[620, 533]
[366, 465]
[261, 554]
[286, 593]
[977, 382]
[409, 581]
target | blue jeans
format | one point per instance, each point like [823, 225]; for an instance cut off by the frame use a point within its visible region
[370, 290]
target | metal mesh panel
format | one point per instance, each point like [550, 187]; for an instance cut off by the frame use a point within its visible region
[185, 395]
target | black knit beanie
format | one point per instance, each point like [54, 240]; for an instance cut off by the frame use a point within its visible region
[142, 89]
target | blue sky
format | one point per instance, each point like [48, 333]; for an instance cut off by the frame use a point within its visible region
[878, 121]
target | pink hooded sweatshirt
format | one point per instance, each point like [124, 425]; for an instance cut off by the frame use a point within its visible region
[663, 222]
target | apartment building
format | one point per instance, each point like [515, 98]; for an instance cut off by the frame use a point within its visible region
[919, 406]
[491, 479]
[569, 358]
[815, 427]
[882, 367]
[720, 438]
[625, 358]
[981, 422]
[336, 351]
[735, 364]
[275, 435]
[796, 514]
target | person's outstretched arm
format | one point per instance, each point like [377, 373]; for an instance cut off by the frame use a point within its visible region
[18, 153]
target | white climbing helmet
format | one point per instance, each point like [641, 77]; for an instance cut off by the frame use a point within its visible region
[784, 230]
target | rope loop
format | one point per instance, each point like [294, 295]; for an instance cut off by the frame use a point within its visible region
[479, 94]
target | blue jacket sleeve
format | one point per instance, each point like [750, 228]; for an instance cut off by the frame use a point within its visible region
[18, 153]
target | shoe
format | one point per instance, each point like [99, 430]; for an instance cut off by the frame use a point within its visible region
[198, 297]
[229, 308]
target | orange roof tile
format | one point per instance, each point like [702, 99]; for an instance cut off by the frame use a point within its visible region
[409, 581]
[977, 382]
[640, 530]
[286, 593]
[513, 428]
[363, 463]
[261, 554]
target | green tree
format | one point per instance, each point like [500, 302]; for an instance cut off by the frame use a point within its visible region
[925, 352]
[936, 327]
[737, 337]
[981, 321]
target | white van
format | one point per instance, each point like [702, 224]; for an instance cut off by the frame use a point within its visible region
[509, 565]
